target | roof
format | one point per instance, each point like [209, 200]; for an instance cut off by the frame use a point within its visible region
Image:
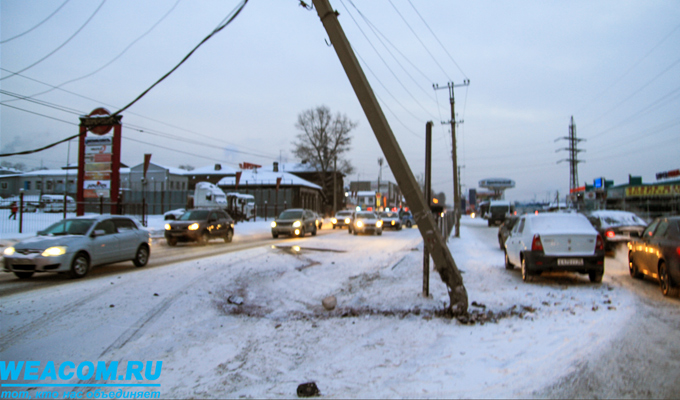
[224, 169]
[260, 177]
[291, 167]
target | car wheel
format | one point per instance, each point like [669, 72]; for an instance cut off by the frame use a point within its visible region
[171, 241]
[379, 232]
[508, 264]
[314, 231]
[525, 274]
[302, 232]
[24, 275]
[228, 236]
[80, 266]
[204, 238]
[632, 267]
[595, 277]
[275, 235]
[142, 256]
[398, 227]
[355, 232]
[408, 224]
[349, 230]
[665, 281]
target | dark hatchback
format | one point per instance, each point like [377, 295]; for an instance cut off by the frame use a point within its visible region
[616, 227]
[657, 254]
[200, 226]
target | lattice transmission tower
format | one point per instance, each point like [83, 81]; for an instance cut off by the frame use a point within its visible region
[573, 155]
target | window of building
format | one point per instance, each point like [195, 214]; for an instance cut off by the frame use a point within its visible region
[4, 185]
[38, 185]
[48, 185]
[27, 185]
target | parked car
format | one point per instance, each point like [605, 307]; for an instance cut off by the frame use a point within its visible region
[366, 221]
[173, 214]
[200, 225]
[656, 254]
[294, 222]
[616, 226]
[75, 245]
[505, 228]
[341, 219]
[407, 219]
[555, 242]
[390, 220]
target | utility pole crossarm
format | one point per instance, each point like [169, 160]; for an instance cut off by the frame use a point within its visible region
[432, 238]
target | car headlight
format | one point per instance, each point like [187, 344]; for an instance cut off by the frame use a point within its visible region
[297, 224]
[167, 227]
[54, 251]
[393, 222]
[347, 221]
[359, 224]
[333, 220]
[193, 227]
[378, 224]
[8, 251]
[273, 224]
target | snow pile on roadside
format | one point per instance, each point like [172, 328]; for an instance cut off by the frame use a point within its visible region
[383, 339]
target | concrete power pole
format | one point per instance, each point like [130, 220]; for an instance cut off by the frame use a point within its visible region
[432, 238]
[454, 150]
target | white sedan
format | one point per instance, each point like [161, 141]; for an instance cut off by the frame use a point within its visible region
[555, 242]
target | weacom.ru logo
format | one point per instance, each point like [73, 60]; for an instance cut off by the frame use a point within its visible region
[31, 371]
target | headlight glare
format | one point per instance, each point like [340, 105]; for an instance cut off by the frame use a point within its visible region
[54, 251]
[335, 221]
[297, 224]
[193, 226]
[8, 251]
[359, 224]
[347, 221]
[378, 224]
[167, 227]
[273, 224]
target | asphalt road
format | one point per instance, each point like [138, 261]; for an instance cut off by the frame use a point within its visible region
[161, 255]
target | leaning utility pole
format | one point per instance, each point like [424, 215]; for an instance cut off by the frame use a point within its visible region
[432, 238]
[454, 151]
[573, 156]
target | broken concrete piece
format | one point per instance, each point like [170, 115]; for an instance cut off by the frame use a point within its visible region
[329, 303]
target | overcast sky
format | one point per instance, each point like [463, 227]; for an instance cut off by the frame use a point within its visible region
[612, 65]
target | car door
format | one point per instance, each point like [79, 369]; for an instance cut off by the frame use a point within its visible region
[655, 248]
[105, 245]
[309, 221]
[128, 238]
[641, 256]
[512, 244]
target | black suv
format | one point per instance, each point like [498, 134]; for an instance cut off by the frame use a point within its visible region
[200, 226]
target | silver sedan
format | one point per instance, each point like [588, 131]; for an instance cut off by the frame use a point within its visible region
[74, 245]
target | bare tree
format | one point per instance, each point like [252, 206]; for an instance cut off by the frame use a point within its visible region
[322, 138]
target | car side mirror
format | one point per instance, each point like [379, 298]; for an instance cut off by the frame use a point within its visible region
[98, 232]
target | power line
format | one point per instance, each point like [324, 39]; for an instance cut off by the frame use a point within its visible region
[36, 26]
[60, 46]
[438, 41]
[230, 17]
[115, 58]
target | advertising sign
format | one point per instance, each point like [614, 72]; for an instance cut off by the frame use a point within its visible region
[98, 160]
[653, 190]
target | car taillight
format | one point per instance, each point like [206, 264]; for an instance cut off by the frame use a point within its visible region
[609, 234]
[536, 244]
[599, 243]
[677, 250]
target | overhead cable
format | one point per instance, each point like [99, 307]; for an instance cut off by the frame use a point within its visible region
[39, 23]
[60, 46]
[222, 25]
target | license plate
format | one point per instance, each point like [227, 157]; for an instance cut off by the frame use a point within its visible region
[569, 261]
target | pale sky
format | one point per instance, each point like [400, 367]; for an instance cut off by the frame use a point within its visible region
[612, 65]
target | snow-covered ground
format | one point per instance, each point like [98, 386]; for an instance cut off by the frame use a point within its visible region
[384, 339]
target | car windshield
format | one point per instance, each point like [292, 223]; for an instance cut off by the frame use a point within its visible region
[388, 215]
[194, 215]
[365, 215]
[69, 227]
[291, 214]
[343, 214]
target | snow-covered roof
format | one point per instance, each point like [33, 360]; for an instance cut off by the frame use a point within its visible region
[260, 177]
[290, 167]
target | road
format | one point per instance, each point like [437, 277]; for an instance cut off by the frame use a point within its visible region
[161, 255]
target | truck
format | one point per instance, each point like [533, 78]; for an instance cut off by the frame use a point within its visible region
[497, 211]
[241, 207]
